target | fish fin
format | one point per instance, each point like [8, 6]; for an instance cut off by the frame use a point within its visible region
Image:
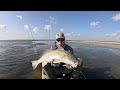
[34, 64]
[44, 63]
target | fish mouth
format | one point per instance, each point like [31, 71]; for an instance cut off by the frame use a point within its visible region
[75, 65]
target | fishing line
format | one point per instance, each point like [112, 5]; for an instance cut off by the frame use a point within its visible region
[33, 40]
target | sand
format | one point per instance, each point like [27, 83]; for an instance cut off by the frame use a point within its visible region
[99, 42]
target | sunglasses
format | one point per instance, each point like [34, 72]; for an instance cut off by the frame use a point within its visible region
[60, 40]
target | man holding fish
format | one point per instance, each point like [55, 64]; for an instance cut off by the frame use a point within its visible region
[56, 68]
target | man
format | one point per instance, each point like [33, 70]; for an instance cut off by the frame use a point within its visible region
[56, 68]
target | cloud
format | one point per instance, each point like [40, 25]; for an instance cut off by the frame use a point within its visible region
[78, 34]
[26, 27]
[2, 26]
[47, 27]
[52, 18]
[95, 24]
[35, 29]
[67, 34]
[116, 18]
[19, 16]
[72, 36]
[6, 31]
[61, 29]
[106, 35]
[115, 35]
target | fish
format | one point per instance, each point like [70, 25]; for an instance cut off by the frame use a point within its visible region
[61, 55]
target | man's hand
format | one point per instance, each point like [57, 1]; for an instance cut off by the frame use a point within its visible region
[71, 78]
[56, 61]
[69, 66]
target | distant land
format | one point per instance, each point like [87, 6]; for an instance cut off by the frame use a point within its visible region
[94, 41]
[75, 41]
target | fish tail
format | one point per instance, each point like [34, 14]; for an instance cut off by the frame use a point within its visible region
[34, 64]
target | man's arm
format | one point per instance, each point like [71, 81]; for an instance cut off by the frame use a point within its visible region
[53, 47]
[76, 71]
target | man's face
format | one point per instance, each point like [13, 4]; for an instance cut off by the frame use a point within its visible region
[60, 42]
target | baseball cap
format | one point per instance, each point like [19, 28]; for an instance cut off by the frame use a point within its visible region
[60, 35]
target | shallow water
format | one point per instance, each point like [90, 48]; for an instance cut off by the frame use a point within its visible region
[100, 61]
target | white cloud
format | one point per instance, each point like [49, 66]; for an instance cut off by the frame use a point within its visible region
[48, 27]
[95, 24]
[6, 31]
[19, 16]
[78, 34]
[26, 27]
[52, 18]
[106, 35]
[67, 34]
[35, 29]
[115, 35]
[61, 29]
[2, 26]
[72, 36]
[116, 17]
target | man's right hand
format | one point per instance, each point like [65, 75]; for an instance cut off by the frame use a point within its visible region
[56, 61]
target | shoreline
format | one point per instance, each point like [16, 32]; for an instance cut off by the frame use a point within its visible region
[96, 42]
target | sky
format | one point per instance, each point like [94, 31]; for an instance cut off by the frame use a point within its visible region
[76, 25]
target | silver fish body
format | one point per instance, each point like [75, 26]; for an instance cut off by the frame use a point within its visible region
[50, 55]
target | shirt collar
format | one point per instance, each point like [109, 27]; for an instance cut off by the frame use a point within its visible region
[63, 46]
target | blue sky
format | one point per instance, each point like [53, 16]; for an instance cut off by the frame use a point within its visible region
[76, 25]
